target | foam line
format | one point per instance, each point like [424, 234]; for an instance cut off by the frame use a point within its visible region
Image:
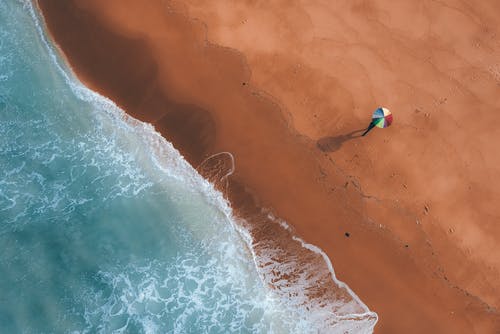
[176, 166]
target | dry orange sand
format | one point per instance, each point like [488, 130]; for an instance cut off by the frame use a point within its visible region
[285, 86]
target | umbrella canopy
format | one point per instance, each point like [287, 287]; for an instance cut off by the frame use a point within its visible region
[382, 117]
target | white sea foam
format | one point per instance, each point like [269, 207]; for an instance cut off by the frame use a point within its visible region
[351, 315]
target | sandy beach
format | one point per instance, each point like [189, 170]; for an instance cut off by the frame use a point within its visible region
[285, 87]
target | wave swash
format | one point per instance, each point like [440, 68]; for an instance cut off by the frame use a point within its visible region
[246, 273]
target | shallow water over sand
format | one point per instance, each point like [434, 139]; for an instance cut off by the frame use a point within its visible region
[103, 226]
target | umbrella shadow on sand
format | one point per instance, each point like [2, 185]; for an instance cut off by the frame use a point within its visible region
[332, 144]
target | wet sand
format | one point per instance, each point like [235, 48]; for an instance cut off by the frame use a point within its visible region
[284, 90]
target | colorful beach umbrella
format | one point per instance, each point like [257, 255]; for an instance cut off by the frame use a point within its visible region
[382, 118]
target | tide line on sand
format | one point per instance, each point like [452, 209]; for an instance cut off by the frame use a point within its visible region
[299, 268]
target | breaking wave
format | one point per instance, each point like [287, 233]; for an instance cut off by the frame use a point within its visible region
[282, 283]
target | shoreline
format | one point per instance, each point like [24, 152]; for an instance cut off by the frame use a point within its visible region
[139, 85]
[304, 303]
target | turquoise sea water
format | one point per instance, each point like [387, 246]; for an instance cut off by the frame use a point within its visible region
[103, 226]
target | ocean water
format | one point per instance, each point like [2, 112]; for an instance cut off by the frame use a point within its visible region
[104, 228]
